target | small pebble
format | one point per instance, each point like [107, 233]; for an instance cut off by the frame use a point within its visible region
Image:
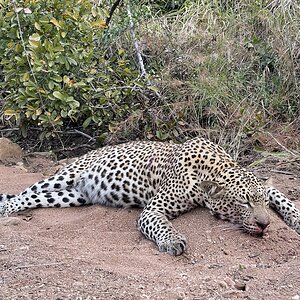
[241, 286]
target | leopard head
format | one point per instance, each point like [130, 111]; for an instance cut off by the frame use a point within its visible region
[240, 198]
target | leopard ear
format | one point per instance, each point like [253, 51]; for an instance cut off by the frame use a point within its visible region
[212, 189]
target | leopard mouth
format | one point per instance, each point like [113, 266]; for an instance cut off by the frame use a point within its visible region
[254, 231]
[258, 233]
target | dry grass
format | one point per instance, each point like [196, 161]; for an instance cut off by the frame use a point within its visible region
[223, 71]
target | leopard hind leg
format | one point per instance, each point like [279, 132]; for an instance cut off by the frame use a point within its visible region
[68, 197]
[64, 179]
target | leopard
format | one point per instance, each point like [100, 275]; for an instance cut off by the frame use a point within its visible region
[165, 180]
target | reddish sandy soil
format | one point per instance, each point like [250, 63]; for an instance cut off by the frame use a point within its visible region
[96, 252]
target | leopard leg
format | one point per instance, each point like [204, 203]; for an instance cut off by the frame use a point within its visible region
[65, 198]
[155, 225]
[285, 208]
[5, 197]
[65, 178]
[60, 181]
[63, 181]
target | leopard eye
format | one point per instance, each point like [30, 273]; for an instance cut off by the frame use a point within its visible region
[245, 204]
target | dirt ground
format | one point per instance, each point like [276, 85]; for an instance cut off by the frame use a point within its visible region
[96, 252]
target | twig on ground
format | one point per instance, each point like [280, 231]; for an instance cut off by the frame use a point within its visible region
[283, 172]
[75, 131]
[282, 146]
[9, 129]
[73, 148]
[39, 265]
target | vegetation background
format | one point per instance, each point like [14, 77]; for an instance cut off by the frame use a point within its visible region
[99, 72]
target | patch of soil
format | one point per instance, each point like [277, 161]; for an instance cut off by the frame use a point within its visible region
[9, 151]
[96, 252]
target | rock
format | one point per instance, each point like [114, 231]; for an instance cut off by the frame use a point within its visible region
[241, 286]
[232, 294]
[9, 151]
[230, 283]
[223, 284]
[296, 297]
[10, 221]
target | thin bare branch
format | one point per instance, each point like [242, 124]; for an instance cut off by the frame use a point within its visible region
[112, 10]
[85, 135]
[136, 43]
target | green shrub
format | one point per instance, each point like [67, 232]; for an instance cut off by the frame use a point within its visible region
[55, 68]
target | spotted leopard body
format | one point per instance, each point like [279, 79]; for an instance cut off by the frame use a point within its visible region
[164, 179]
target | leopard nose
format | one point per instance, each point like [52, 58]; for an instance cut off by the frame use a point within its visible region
[263, 224]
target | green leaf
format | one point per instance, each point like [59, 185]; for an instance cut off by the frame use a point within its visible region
[35, 37]
[99, 24]
[44, 20]
[57, 78]
[25, 76]
[55, 22]
[58, 49]
[64, 113]
[66, 79]
[87, 122]
[79, 84]
[37, 26]
[34, 44]
[58, 95]
[50, 85]
[72, 61]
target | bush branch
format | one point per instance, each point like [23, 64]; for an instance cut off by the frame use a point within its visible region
[136, 44]
[112, 10]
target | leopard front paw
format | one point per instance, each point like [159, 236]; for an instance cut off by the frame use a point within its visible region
[174, 245]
